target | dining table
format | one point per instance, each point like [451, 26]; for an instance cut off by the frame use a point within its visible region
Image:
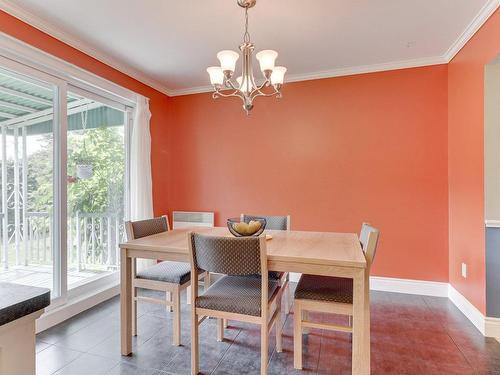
[313, 253]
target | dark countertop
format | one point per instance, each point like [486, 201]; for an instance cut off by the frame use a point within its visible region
[17, 301]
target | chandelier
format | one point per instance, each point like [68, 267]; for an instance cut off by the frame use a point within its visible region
[245, 87]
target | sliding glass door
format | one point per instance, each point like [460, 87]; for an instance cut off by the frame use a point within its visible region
[64, 182]
[27, 181]
[96, 169]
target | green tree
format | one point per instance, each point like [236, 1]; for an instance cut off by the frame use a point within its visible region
[103, 192]
[40, 171]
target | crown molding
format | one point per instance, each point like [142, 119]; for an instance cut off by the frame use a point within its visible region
[71, 40]
[486, 11]
[192, 90]
[363, 69]
[404, 64]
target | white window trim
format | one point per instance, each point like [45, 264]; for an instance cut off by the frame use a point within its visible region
[24, 58]
[33, 57]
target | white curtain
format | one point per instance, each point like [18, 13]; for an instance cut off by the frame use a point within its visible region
[141, 186]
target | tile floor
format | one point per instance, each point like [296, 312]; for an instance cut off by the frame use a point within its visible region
[410, 335]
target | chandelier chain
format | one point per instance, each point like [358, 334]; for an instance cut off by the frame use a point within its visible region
[246, 36]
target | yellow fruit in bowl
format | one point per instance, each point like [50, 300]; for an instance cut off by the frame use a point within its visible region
[241, 228]
[247, 229]
[254, 226]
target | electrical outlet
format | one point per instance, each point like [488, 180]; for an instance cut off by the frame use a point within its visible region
[464, 270]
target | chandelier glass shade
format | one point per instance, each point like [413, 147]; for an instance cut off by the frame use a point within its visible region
[245, 87]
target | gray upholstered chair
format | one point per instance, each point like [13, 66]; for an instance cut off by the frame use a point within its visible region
[168, 277]
[238, 295]
[273, 222]
[277, 223]
[328, 294]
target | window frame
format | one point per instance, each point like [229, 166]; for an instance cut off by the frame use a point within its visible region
[25, 59]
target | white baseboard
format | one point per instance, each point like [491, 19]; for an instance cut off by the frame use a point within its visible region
[467, 308]
[408, 286]
[75, 306]
[492, 327]
[489, 327]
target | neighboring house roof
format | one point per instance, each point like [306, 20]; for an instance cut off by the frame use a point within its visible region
[27, 102]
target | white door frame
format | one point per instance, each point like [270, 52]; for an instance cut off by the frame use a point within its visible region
[59, 268]
[32, 62]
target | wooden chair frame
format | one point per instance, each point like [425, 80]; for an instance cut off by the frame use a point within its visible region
[302, 307]
[172, 292]
[270, 315]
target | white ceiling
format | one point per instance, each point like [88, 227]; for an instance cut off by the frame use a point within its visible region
[169, 43]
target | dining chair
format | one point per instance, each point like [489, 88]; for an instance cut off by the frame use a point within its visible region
[238, 295]
[277, 223]
[169, 277]
[332, 295]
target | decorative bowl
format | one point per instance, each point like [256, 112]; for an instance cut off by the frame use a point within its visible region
[241, 228]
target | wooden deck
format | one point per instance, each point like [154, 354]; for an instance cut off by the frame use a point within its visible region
[41, 276]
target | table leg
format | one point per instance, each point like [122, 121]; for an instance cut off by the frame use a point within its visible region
[126, 303]
[367, 334]
[361, 326]
[134, 298]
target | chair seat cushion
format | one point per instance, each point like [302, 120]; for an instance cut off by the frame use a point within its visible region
[324, 288]
[235, 294]
[168, 272]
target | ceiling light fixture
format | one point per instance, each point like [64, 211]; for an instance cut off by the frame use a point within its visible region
[245, 87]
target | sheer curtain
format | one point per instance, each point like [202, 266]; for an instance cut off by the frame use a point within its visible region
[141, 186]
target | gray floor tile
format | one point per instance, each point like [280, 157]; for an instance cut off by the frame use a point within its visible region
[87, 364]
[148, 326]
[410, 335]
[82, 320]
[129, 369]
[155, 353]
[243, 356]
[54, 358]
[40, 345]
[91, 335]
[211, 351]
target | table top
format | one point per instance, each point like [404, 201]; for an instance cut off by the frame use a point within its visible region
[323, 248]
[17, 301]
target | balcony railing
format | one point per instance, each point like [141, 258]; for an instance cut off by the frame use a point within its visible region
[93, 240]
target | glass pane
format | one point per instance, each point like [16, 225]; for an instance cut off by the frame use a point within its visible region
[27, 217]
[96, 180]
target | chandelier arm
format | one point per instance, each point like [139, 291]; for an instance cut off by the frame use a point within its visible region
[264, 84]
[230, 84]
[218, 93]
[258, 92]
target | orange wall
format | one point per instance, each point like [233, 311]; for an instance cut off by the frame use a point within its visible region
[466, 161]
[158, 102]
[332, 153]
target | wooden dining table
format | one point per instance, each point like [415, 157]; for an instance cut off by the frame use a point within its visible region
[314, 253]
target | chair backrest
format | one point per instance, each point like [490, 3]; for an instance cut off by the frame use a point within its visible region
[273, 222]
[148, 227]
[228, 255]
[369, 241]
